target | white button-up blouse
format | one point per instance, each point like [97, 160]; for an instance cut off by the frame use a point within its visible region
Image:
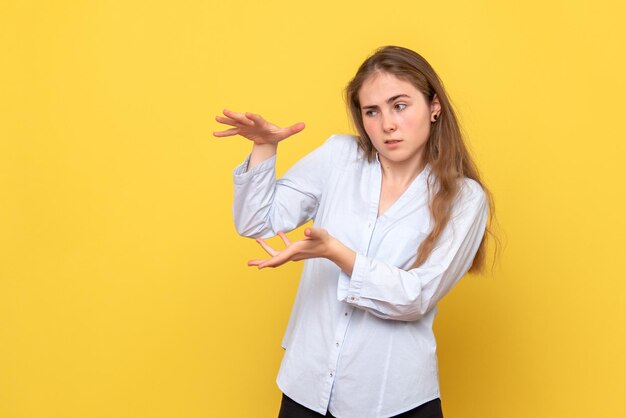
[360, 345]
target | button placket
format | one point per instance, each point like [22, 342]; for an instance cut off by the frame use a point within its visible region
[342, 327]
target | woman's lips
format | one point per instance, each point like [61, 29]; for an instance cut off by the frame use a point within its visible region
[392, 142]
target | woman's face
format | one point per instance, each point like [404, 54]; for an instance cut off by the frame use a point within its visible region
[397, 118]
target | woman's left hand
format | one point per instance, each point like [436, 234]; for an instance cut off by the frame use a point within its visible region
[316, 243]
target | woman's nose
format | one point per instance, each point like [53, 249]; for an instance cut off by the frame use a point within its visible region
[388, 123]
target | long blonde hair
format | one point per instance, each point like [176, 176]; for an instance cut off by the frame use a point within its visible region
[446, 152]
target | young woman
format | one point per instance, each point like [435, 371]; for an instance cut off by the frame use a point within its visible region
[399, 217]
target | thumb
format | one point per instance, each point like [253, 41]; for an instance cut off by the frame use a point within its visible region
[294, 129]
[314, 233]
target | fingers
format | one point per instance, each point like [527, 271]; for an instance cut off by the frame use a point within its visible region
[228, 132]
[271, 262]
[297, 251]
[238, 117]
[226, 121]
[278, 257]
[276, 261]
[282, 235]
[235, 119]
[254, 127]
[267, 247]
[257, 119]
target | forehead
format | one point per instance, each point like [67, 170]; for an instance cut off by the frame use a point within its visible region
[380, 86]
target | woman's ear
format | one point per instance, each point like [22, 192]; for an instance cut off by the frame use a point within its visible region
[435, 109]
[435, 106]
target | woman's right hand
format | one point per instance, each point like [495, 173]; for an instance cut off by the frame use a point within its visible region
[255, 128]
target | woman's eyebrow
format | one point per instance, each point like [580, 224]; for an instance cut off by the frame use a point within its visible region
[389, 100]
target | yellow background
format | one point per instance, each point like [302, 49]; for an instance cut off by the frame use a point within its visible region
[124, 290]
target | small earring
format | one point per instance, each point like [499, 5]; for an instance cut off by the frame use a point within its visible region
[435, 116]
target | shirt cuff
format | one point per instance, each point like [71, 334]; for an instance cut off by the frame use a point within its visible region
[349, 287]
[242, 176]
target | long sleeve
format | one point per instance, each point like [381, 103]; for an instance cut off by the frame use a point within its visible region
[393, 293]
[263, 205]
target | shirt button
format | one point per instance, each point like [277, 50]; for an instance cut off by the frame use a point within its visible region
[352, 297]
[345, 314]
[331, 374]
[337, 343]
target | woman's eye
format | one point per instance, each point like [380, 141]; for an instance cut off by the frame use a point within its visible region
[400, 106]
[370, 113]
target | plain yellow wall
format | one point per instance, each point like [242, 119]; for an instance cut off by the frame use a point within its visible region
[124, 290]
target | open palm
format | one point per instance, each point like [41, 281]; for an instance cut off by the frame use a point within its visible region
[316, 243]
[255, 128]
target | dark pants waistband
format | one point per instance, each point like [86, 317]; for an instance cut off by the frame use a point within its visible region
[291, 409]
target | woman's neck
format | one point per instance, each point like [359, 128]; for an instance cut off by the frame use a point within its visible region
[401, 174]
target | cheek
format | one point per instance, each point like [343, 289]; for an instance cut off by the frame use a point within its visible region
[418, 123]
[368, 124]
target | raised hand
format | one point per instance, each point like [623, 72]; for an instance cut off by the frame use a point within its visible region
[316, 243]
[255, 128]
